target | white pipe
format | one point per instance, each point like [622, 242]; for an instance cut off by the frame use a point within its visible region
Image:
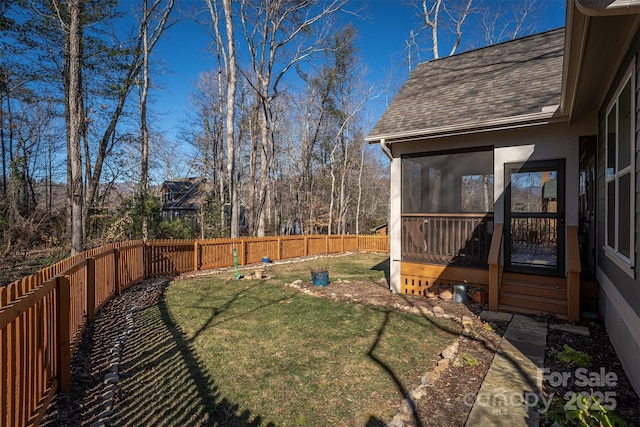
[385, 149]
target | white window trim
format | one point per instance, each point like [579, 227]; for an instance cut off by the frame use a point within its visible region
[625, 264]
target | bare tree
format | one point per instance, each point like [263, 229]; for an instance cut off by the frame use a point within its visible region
[228, 54]
[148, 42]
[500, 21]
[444, 14]
[496, 22]
[276, 32]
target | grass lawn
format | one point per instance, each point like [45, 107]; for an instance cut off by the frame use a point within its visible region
[280, 357]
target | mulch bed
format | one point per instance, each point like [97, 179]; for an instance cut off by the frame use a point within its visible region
[619, 393]
[89, 362]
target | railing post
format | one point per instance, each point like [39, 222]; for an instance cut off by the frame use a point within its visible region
[494, 268]
[64, 341]
[116, 271]
[196, 257]
[494, 277]
[573, 274]
[91, 288]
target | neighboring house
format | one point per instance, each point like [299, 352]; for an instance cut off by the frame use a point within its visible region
[182, 198]
[380, 230]
[514, 167]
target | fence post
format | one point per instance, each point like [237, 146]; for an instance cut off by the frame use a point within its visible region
[243, 252]
[196, 257]
[279, 248]
[64, 341]
[91, 288]
[326, 244]
[145, 272]
[306, 246]
[342, 242]
[116, 271]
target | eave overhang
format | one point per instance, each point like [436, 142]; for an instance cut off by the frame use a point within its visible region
[598, 34]
[607, 7]
[504, 123]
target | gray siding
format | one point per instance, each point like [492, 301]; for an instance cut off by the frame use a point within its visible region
[628, 287]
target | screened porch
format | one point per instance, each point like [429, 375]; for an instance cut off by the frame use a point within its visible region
[447, 207]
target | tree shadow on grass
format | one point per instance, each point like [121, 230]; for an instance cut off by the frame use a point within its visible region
[217, 311]
[402, 389]
[163, 382]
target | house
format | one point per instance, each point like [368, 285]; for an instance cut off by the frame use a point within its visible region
[182, 198]
[513, 167]
[380, 230]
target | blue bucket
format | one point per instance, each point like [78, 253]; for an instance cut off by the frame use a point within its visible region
[320, 278]
[266, 260]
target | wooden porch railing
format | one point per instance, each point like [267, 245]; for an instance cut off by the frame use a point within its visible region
[573, 274]
[453, 239]
[42, 316]
[495, 267]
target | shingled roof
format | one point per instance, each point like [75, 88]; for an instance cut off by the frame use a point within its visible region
[509, 80]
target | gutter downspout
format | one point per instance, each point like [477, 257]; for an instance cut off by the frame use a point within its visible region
[385, 149]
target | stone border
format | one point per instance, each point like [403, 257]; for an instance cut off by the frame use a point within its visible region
[111, 378]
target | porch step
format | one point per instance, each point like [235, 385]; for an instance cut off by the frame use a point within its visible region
[534, 278]
[537, 303]
[521, 310]
[532, 287]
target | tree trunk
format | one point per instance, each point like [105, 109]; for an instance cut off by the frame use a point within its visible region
[231, 97]
[253, 164]
[362, 149]
[144, 132]
[264, 168]
[76, 122]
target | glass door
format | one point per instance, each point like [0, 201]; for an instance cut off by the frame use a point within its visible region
[534, 217]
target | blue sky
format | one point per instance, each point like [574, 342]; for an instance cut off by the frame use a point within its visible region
[184, 54]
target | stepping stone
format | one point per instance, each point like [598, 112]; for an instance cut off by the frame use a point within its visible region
[495, 316]
[572, 329]
[509, 392]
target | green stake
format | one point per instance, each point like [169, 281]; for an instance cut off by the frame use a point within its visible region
[235, 263]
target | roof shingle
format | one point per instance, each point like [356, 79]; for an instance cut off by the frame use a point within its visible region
[510, 79]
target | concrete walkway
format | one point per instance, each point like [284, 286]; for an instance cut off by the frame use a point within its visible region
[511, 390]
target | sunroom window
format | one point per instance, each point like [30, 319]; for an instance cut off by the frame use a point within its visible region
[620, 192]
[448, 183]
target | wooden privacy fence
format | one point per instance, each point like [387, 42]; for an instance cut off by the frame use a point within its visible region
[43, 315]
